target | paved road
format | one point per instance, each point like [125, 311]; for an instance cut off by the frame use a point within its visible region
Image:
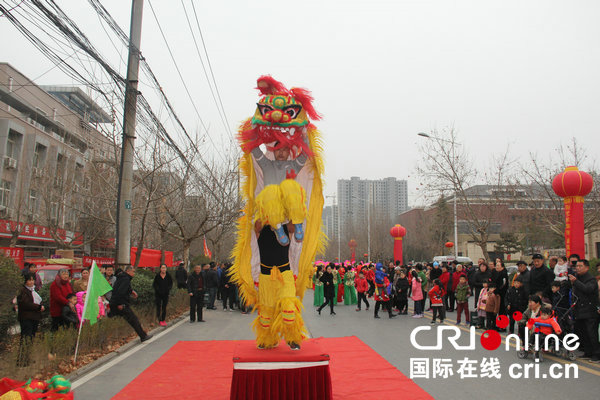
[389, 337]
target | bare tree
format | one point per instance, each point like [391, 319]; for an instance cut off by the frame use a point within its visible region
[546, 207]
[205, 202]
[447, 168]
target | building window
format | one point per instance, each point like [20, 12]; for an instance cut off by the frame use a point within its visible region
[33, 202]
[4, 194]
[38, 156]
[10, 146]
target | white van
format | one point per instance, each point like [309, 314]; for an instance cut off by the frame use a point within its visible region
[449, 259]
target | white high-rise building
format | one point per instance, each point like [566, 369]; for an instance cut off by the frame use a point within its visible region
[387, 197]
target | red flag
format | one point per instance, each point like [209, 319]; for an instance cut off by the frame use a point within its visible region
[207, 252]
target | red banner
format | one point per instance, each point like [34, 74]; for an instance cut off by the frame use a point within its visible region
[88, 261]
[37, 232]
[151, 258]
[16, 253]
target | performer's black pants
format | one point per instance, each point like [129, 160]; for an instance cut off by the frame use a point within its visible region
[196, 304]
[330, 301]
[161, 306]
[385, 305]
[129, 316]
[362, 296]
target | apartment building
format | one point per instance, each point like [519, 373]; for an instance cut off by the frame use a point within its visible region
[49, 138]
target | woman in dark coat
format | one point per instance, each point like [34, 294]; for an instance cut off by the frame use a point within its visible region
[483, 275]
[328, 289]
[500, 278]
[30, 314]
[162, 287]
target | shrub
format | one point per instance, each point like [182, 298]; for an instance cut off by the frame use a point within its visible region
[11, 281]
[142, 284]
[95, 341]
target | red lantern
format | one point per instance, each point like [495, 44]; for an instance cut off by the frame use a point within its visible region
[449, 245]
[398, 232]
[352, 245]
[573, 184]
[366, 255]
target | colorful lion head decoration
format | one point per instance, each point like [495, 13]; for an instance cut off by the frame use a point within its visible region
[280, 119]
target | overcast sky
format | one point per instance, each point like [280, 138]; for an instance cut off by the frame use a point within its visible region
[519, 73]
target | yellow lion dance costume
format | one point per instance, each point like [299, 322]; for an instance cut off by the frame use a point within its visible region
[272, 266]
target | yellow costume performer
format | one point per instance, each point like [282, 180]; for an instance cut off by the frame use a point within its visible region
[281, 184]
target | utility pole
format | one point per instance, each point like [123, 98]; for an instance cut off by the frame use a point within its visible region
[124, 199]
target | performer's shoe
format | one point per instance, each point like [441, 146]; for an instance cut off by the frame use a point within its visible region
[282, 238]
[298, 232]
[294, 346]
[145, 338]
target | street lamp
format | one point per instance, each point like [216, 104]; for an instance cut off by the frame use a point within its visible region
[368, 223]
[453, 143]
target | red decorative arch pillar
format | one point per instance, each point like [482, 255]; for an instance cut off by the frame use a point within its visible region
[573, 185]
[398, 232]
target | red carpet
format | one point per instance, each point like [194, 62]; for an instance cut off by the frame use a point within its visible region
[203, 370]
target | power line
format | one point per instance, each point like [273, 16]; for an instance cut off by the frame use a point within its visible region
[212, 92]
[210, 66]
[176, 65]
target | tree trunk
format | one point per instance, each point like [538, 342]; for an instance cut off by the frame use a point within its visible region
[162, 246]
[186, 252]
[14, 238]
[483, 247]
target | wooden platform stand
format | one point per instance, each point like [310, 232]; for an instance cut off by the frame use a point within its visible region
[280, 373]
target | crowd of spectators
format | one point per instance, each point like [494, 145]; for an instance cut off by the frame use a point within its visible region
[563, 284]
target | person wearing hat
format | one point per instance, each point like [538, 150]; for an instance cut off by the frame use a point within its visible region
[540, 277]
[523, 272]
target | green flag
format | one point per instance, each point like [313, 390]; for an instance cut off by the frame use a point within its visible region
[97, 286]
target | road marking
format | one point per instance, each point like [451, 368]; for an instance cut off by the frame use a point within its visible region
[548, 356]
[84, 379]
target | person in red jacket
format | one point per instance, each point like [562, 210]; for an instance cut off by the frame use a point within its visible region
[545, 318]
[370, 276]
[436, 297]
[59, 289]
[444, 279]
[362, 286]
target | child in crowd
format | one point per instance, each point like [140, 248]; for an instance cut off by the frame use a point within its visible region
[436, 297]
[402, 286]
[481, 303]
[516, 300]
[417, 295]
[69, 311]
[492, 306]
[362, 286]
[462, 293]
[545, 318]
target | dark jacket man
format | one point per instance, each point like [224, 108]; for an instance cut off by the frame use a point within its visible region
[585, 288]
[195, 283]
[585, 292]
[540, 280]
[119, 302]
[121, 290]
[195, 287]
[181, 277]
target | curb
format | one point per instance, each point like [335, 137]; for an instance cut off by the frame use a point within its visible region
[73, 376]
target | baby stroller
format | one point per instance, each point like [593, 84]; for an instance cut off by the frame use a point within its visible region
[565, 321]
